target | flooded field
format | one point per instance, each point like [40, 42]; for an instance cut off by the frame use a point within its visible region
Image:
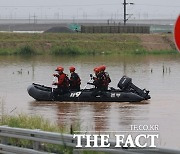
[160, 74]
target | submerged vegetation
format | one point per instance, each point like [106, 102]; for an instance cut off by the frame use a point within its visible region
[25, 50]
[79, 44]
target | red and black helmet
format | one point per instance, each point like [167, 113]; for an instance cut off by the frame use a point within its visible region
[72, 69]
[102, 68]
[59, 68]
[96, 70]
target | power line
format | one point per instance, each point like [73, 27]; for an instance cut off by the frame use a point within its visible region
[65, 5]
[157, 5]
[59, 5]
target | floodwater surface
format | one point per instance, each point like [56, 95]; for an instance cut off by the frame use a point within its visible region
[160, 74]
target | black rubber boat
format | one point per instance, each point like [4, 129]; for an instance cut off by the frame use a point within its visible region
[127, 92]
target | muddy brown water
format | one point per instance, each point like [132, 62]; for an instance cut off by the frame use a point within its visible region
[17, 72]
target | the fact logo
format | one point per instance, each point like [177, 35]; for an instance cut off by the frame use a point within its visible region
[177, 33]
[141, 136]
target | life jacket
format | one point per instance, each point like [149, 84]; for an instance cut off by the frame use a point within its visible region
[99, 80]
[74, 80]
[63, 81]
[107, 78]
[102, 79]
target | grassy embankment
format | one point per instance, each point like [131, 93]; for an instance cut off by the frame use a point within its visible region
[38, 122]
[34, 122]
[61, 44]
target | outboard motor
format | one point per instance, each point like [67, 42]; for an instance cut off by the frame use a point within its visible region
[126, 84]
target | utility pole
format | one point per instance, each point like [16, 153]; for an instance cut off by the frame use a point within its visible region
[125, 14]
[35, 18]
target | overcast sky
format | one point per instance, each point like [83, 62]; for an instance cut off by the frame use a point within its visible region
[83, 9]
